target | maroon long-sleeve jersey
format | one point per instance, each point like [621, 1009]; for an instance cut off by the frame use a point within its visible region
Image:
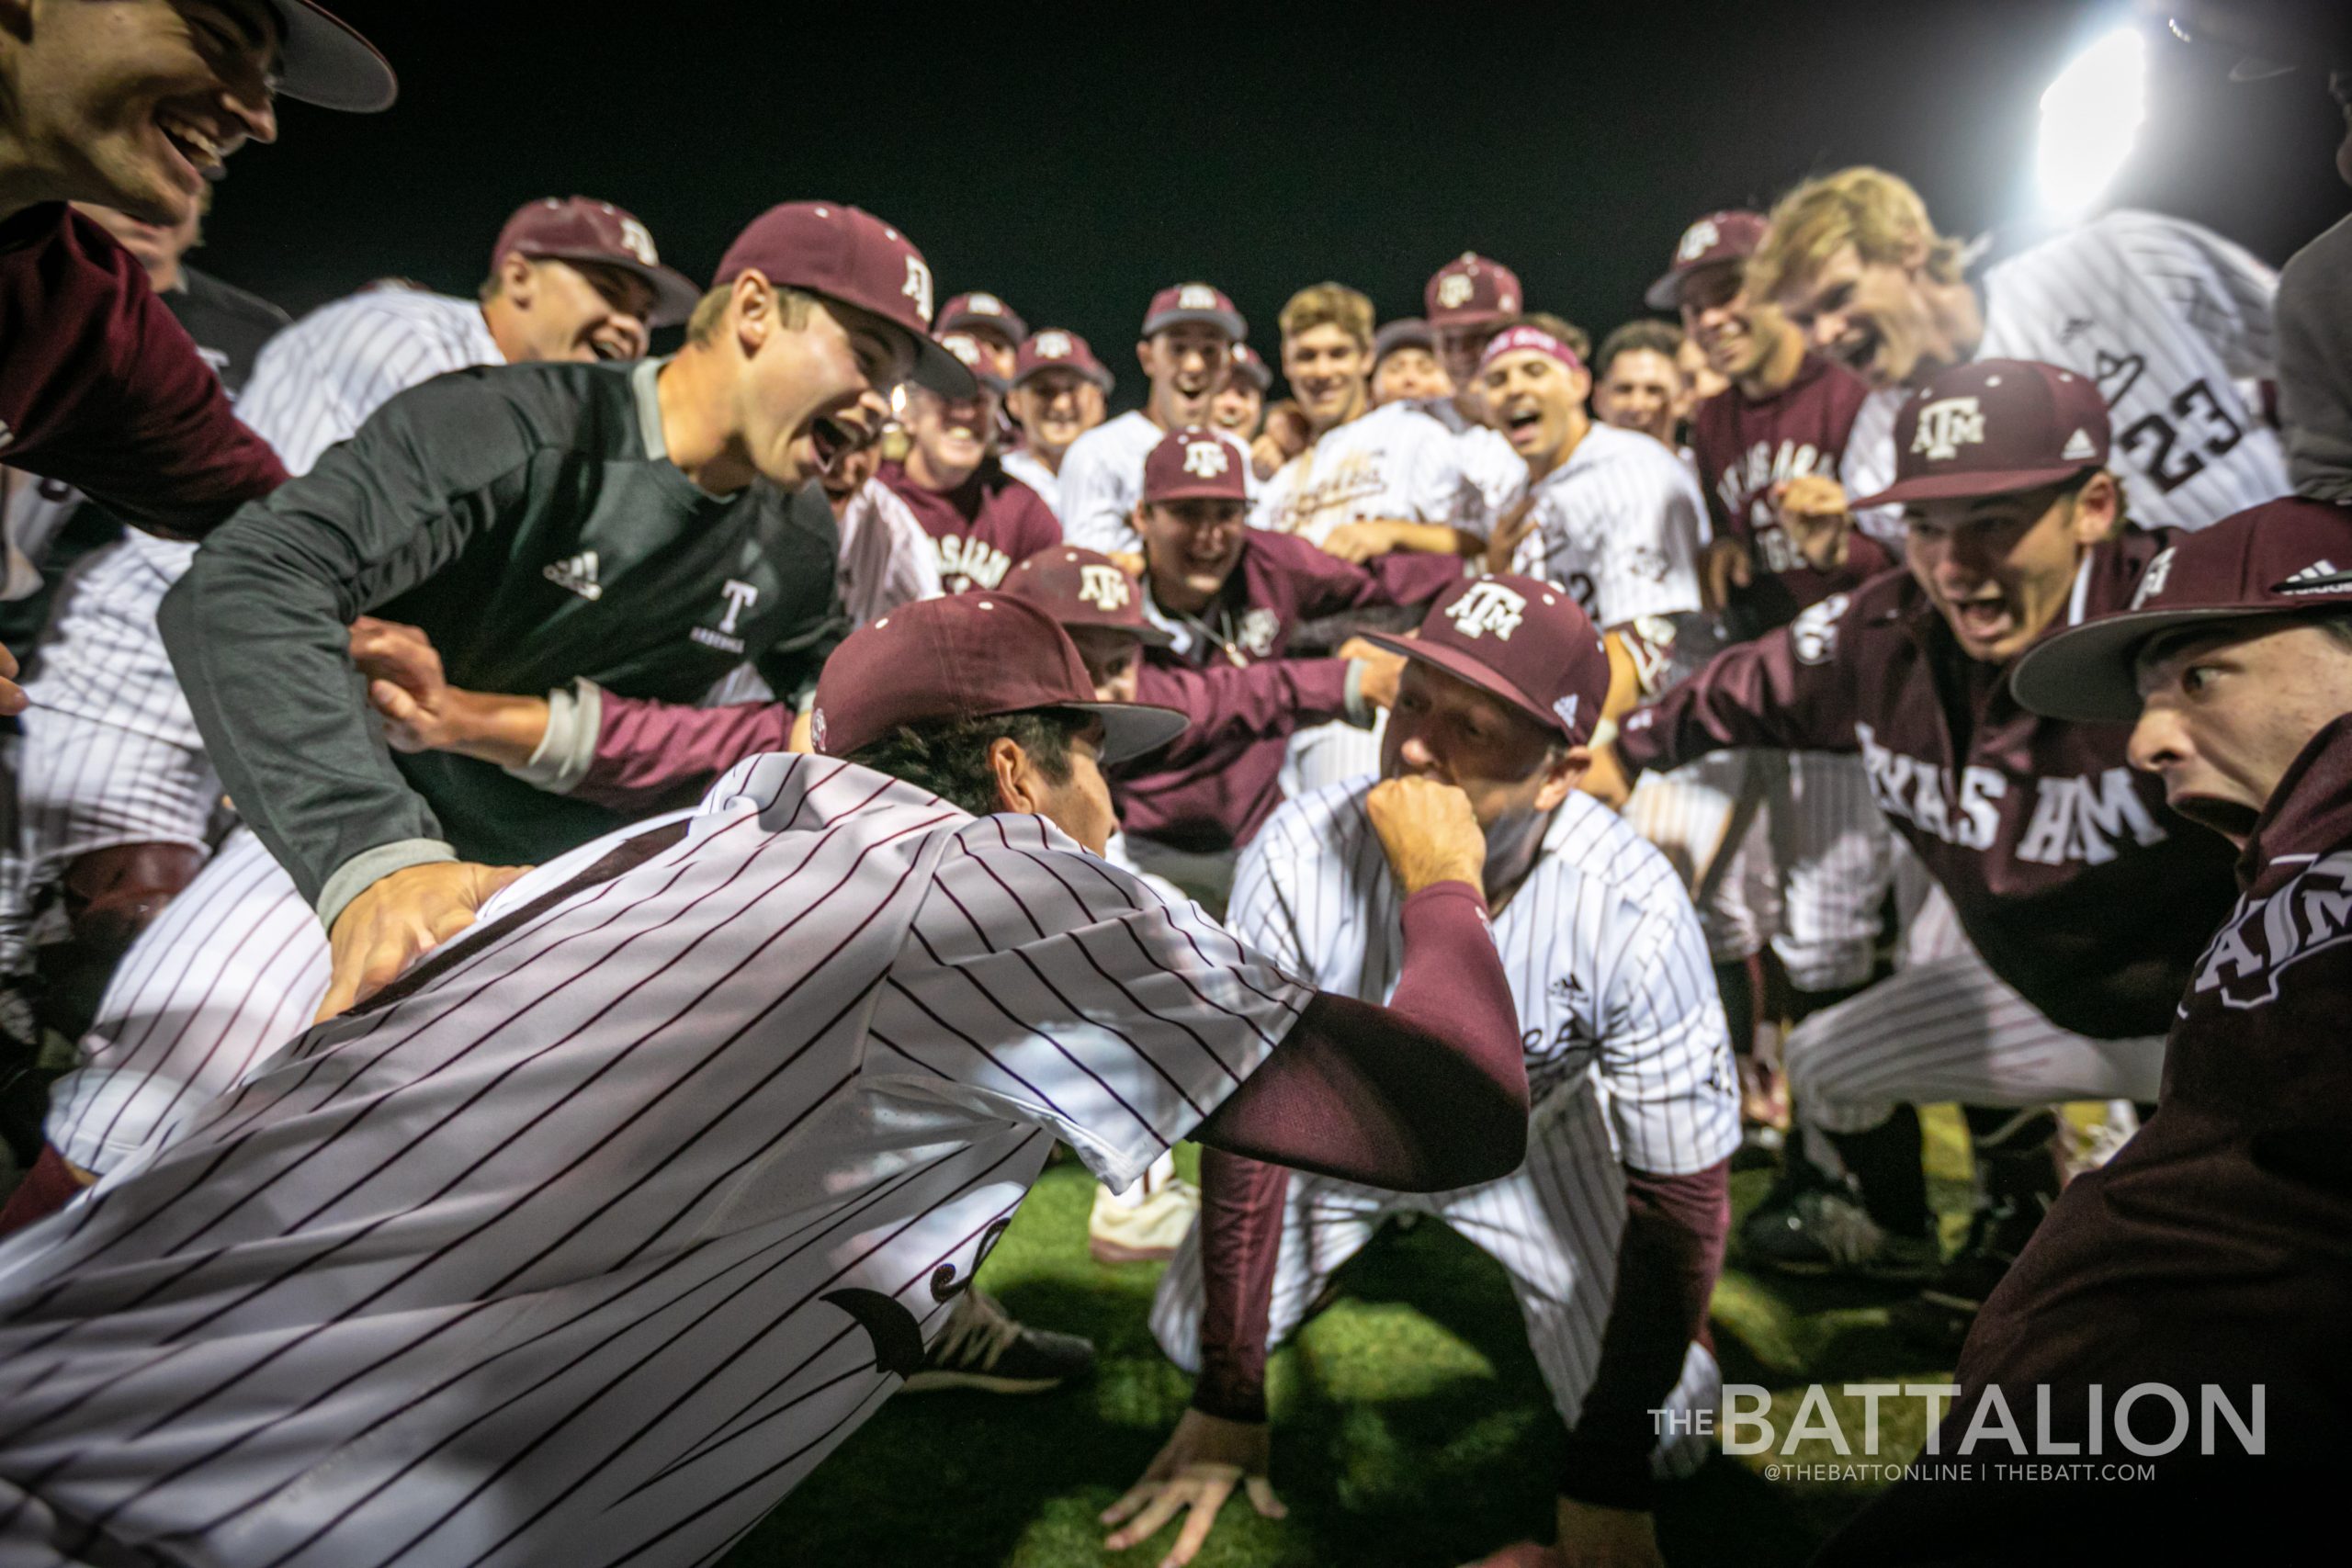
[102, 389]
[2074, 881]
[981, 527]
[1746, 445]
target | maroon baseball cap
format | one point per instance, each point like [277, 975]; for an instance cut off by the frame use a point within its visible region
[1196, 463]
[1184, 302]
[1717, 238]
[1405, 331]
[582, 229]
[967, 656]
[323, 60]
[983, 311]
[1058, 348]
[1519, 639]
[1993, 427]
[1470, 291]
[844, 253]
[2289, 556]
[1085, 588]
[974, 356]
[1248, 367]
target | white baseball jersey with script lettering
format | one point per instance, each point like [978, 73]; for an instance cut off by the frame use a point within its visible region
[1618, 525]
[1393, 463]
[1102, 481]
[588, 1246]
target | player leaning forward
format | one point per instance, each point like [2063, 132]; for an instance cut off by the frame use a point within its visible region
[588, 1239]
[1612, 1229]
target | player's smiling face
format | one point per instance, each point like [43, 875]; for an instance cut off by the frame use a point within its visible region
[576, 311]
[1190, 549]
[809, 392]
[1514, 771]
[1643, 391]
[136, 103]
[1112, 658]
[1735, 332]
[1239, 408]
[1537, 402]
[1327, 369]
[2001, 568]
[1873, 315]
[1188, 365]
[2224, 713]
[1051, 408]
[1410, 374]
[953, 434]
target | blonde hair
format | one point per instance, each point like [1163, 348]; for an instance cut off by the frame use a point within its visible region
[791, 305]
[1878, 213]
[1328, 305]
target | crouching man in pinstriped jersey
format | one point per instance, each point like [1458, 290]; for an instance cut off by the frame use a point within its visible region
[1612, 1228]
[591, 1237]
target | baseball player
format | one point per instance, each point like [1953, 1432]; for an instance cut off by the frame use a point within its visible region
[2077, 899]
[1637, 382]
[115, 785]
[1809, 876]
[1186, 352]
[700, 1212]
[980, 518]
[649, 559]
[1241, 406]
[135, 107]
[1405, 366]
[990, 323]
[2167, 318]
[1612, 1230]
[2208, 1256]
[1466, 302]
[1053, 375]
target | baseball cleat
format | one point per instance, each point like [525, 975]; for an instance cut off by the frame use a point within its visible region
[983, 1348]
[1148, 1232]
[1826, 1231]
[1938, 1318]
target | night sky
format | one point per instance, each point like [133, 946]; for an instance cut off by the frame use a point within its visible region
[1074, 169]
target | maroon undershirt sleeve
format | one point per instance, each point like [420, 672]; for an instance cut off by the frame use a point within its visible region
[652, 756]
[1223, 706]
[1667, 1265]
[1425, 1094]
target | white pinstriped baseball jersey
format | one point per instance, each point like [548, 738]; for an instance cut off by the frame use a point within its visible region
[2168, 317]
[887, 559]
[1395, 462]
[1102, 480]
[1618, 525]
[588, 1247]
[1026, 466]
[1867, 466]
[1599, 942]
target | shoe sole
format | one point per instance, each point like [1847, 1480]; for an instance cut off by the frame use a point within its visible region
[984, 1383]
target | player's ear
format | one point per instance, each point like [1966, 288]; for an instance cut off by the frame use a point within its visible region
[1563, 770]
[2099, 508]
[517, 279]
[753, 308]
[1015, 779]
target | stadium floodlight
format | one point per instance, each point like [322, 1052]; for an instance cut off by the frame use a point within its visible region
[2090, 115]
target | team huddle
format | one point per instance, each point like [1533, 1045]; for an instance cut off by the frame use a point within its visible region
[554, 900]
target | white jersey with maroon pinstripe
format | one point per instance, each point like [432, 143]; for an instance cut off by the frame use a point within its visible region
[1102, 481]
[519, 1266]
[886, 557]
[1627, 1059]
[1618, 525]
[1394, 463]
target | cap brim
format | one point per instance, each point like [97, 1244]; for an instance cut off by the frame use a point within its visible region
[323, 61]
[1008, 328]
[940, 371]
[1132, 729]
[1666, 294]
[2085, 674]
[674, 295]
[1966, 487]
[1226, 322]
[1462, 667]
[2255, 68]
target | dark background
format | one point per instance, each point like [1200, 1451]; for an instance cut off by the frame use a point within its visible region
[1073, 161]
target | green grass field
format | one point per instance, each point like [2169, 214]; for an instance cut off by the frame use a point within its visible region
[1410, 1424]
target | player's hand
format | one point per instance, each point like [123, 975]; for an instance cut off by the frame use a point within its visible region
[1381, 671]
[1360, 542]
[1724, 568]
[1284, 437]
[1594, 1537]
[405, 682]
[1430, 833]
[1815, 515]
[399, 917]
[1203, 1458]
[1129, 562]
[12, 696]
[1509, 532]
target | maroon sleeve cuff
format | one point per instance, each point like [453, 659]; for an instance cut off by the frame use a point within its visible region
[1671, 1252]
[652, 756]
[1242, 1223]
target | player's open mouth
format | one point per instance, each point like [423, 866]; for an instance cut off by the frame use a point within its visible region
[1983, 619]
[1519, 426]
[191, 143]
[1859, 348]
[2233, 820]
[828, 442]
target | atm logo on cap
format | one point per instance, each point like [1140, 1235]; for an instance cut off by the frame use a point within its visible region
[2152, 581]
[1455, 291]
[1105, 587]
[918, 285]
[1055, 346]
[1946, 425]
[638, 241]
[1488, 607]
[1196, 297]
[1698, 240]
[1206, 459]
